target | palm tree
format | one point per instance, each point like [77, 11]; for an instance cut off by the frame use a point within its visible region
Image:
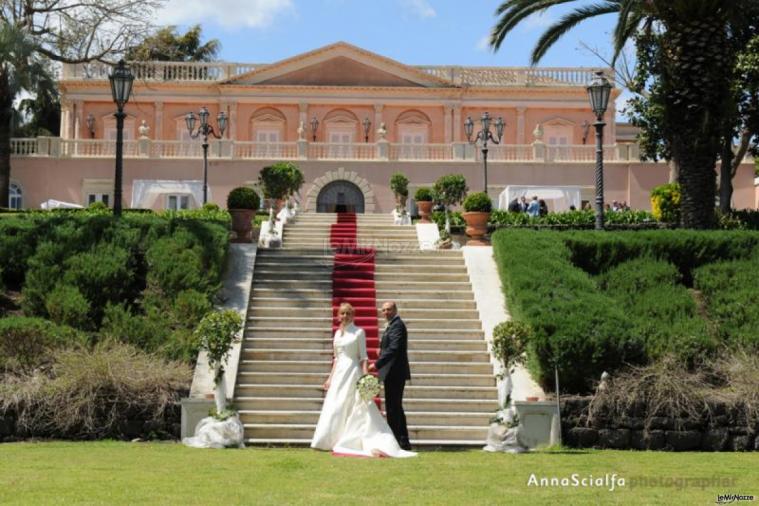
[693, 58]
[20, 70]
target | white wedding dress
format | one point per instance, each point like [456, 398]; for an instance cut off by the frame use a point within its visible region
[347, 424]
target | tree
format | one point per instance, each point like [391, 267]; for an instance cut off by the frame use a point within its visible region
[61, 31]
[694, 43]
[167, 45]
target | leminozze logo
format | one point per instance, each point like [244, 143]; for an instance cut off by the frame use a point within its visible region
[731, 498]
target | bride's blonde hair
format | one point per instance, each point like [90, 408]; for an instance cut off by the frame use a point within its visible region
[345, 306]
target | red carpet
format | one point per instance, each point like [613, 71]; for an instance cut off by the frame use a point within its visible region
[353, 281]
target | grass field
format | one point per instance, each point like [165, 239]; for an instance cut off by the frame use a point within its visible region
[169, 473]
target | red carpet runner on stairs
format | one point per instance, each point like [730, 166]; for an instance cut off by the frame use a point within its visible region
[353, 280]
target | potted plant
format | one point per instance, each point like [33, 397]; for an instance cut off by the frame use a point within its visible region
[423, 199]
[477, 207]
[216, 333]
[242, 203]
[399, 185]
[450, 190]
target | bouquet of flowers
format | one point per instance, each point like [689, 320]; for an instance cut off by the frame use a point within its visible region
[368, 387]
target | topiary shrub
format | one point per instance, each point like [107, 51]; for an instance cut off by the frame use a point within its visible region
[510, 340]
[399, 184]
[665, 203]
[478, 202]
[67, 306]
[242, 198]
[280, 180]
[423, 194]
[98, 205]
[211, 207]
[451, 189]
[28, 343]
[216, 333]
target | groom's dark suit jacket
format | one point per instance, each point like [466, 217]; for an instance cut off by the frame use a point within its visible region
[393, 359]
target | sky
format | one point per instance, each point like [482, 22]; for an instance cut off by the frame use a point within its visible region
[415, 32]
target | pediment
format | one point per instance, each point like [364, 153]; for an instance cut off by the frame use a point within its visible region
[340, 64]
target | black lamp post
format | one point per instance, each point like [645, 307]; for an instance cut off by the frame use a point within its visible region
[599, 91]
[367, 125]
[205, 129]
[484, 136]
[121, 87]
[314, 126]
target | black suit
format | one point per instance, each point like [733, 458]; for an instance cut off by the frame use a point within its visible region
[393, 368]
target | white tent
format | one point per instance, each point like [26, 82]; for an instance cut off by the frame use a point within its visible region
[558, 198]
[57, 204]
[146, 191]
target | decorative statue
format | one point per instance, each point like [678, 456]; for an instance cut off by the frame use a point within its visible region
[144, 130]
[301, 131]
[382, 131]
[538, 132]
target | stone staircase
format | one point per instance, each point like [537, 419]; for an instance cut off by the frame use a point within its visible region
[287, 347]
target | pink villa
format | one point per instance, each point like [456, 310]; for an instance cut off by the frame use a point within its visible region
[349, 118]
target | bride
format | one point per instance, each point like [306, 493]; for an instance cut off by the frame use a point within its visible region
[347, 424]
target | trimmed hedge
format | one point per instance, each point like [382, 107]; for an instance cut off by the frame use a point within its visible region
[630, 313]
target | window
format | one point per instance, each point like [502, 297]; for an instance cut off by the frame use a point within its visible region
[340, 139]
[98, 197]
[412, 138]
[15, 197]
[267, 138]
[559, 138]
[177, 202]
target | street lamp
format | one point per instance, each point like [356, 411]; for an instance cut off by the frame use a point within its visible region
[314, 126]
[367, 126]
[121, 87]
[599, 91]
[205, 129]
[484, 136]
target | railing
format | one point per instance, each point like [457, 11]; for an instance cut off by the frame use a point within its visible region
[265, 150]
[24, 147]
[350, 151]
[160, 71]
[514, 76]
[54, 147]
[509, 153]
[421, 152]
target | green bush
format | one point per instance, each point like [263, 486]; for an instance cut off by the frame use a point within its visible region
[478, 202]
[243, 198]
[423, 194]
[280, 180]
[211, 207]
[97, 206]
[665, 202]
[215, 333]
[67, 306]
[399, 184]
[451, 189]
[18, 240]
[28, 343]
[457, 220]
[175, 263]
[510, 340]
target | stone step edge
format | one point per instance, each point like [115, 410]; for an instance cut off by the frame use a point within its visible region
[416, 442]
[410, 386]
[321, 399]
[307, 373]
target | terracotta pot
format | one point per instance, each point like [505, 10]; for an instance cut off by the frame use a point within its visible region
[425, 209]
[242, 224]
[476, 228]
[533, 399]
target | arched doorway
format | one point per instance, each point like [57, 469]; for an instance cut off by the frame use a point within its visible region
[340, 197]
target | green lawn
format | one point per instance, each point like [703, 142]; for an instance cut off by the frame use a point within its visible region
[168, 473]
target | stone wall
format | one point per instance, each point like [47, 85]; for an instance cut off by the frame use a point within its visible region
[725, 428]
[131, 427]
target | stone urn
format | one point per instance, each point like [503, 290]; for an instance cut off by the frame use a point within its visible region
[242, 224]
[476, 227]
[425, 210]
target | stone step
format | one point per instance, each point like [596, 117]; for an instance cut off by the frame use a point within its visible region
[326, 322]
[379, 285]
[326, 333]
[382, 268]
[316, 255]
[366, 231]
[323, 366]
[326, 355]
[318, 378]
[441, 406]
[440, 298]
[325, 311]
[323, 303]
[423, 432]
[324, 273]
[411, 392]
[413, 418]
[299, 343]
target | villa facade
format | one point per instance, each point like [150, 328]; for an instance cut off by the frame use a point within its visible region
[347, 117]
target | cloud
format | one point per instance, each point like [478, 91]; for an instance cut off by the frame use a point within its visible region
[420, 8]
[484, 44]
[538, 20]
[227, 13]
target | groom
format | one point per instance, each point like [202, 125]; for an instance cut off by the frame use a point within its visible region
[392, 365]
